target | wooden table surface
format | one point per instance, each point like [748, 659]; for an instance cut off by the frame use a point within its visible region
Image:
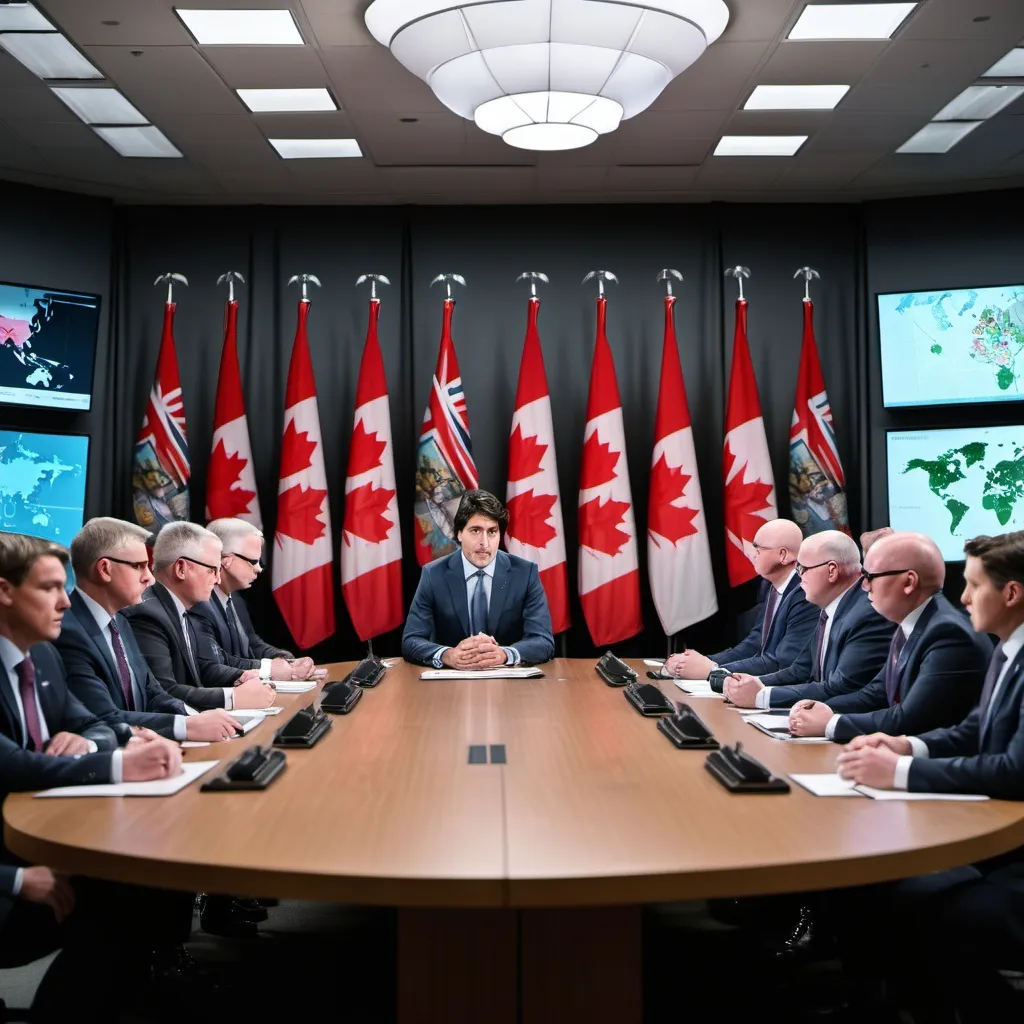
[594, 807]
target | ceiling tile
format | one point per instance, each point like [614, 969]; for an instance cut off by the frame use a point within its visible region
[868, 133]
[268, 67]
[824, 172]
[748, 173]
[327, 124]
[714, 82]
[433, 139]
[761, 21]
[645, 179]
[953, 19]
[66, 134]
[369, 78]
[653, 150]
[800, 62]
[956, 64]
[338, 22]
[142, 22]
[556, 178]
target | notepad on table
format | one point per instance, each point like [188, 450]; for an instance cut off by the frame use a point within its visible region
[778, 729]
[698, 688]
[292, 686]
[190, 771]
[509, 672]
[902, 794]
[832, 784]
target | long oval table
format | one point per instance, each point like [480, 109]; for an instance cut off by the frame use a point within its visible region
[502, 870]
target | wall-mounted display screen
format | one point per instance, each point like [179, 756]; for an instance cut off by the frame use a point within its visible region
[47, 346]
[954, 345]
[956, 483]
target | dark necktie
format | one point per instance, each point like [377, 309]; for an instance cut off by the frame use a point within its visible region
[769, 615]
[27, 687]
[995, 666]
[122, 667]
[478, 608]
[234, 629]
[899, 641]
[190, 643]
[819, 645]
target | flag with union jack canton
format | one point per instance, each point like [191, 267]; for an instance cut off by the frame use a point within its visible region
[160, 467]
[444, 458]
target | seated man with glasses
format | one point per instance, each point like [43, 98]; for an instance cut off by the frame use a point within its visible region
[850, 642]
[222, 623]
[936, 663]
[784, 621]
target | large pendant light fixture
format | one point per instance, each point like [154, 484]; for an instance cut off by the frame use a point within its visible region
[547, 74]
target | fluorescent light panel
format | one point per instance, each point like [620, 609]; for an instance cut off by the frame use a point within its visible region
[1010, 66]
[241, 28]
[978, 102]
[759, 145]
[850, 21]
[47, 54]
[938, 136]
[144, 142]
[796, 97]
[308, 149]
[99, 106]
[23, 18]
[263, 101]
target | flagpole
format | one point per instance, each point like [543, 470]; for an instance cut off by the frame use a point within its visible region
[808, 274]
[304, 280]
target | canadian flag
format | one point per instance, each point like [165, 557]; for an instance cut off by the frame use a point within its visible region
[160, 463]
[678, 552]
[535, 528]
[230, 481]
[816, 481]
[747, 466]
[302, 574]
[371, 549]
[609, 575]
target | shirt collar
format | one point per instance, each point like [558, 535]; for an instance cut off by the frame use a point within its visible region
[908, 624]
[177, 603]
[1012, 647]
[99, 613]
[10, 655]
[830, 608]
[469, 569]
[782, 584]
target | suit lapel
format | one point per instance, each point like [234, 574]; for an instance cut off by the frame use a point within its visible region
[846, 606]
[499, 591]
[457, 588]
[785, 596]
[47, 697]
[163, 595]
[85, 619]
[988, 715]
[913, 642]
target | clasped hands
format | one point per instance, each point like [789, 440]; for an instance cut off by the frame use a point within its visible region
[475, 652]
[871, 760]
[689, 664]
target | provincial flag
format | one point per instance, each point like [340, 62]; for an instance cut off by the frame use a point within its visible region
[609, 572]
[747, 466]
[444, 458]
[816, 480]
[230, 480]
[302, 574]
[678, 551]
[371, 543]
[535, 529]
[160, 465]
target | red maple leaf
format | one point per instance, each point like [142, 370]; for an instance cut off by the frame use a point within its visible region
[528, 516]
[599, 463]
[296, 450]
[668, 484]
[226, 501]
[364, 513]
[599, 525]
[298, 512]
[365, 451]
[744, 501]
[524, 455]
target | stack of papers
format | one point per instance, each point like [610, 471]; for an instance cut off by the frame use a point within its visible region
[190, 771]
[831, 784]
[514, 672]
[698, 688]
[289, 686]
[777, 726]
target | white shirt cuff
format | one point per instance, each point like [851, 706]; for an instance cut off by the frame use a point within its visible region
[116, 768]
[901, 775]
[18, 876]
[918, 747]
[763, 698]
[830, 727]
[265, 669]
[229, 699]
[438, 655]
[92, 746]
[511, 656]
[180, 728]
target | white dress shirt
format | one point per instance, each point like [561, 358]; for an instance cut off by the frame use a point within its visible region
[1011, 648]
[229, 697]
[907, 625]
[266, 670]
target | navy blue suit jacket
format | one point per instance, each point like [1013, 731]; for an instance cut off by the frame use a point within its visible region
[858, 644]
[517, 615]
[791, 630]
[968, 758]
[939, 678]
[93, 677]
[218, 643]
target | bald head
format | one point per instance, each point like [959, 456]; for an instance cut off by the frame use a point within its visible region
[779, 533]
[906, 550]
[832, 546]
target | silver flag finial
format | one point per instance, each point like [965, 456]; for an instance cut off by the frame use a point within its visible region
[448, 279]
[602, 276]
[373, 279]
[231, 277]
[808, 274]
[666, 275]
[739, 273]
[533, 276]
[171, 278]
[305, 280]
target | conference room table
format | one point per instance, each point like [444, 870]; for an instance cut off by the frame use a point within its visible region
[518, 883]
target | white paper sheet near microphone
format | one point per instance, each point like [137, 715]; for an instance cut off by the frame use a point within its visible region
[190, 771]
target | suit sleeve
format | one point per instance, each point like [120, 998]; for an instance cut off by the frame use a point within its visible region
[418, 644]
[538, 643]
[801, 623]
[8, 873]
[24, 770]
[960, 741]
[155, 647]
[259, 647]
[799, 672]
[209, 649]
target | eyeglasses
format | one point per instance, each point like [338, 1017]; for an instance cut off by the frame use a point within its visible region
[801, 569]
[256, 563]
[871, 576]
[214, 570]
[137, 566]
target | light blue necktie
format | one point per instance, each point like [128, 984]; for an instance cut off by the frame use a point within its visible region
[478, 607]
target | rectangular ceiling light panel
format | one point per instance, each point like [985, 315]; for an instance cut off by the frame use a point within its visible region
[978, 102]
[307, 149]
[1010, 66]
[241, 28]
[99, 105]
[850, 21]
[759, 145]
[796, 97]
[144, 142]
[266, 101]
[23, 18]
[47, 54]
[938, 137]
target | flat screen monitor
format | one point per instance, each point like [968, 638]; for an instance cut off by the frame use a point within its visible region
[952, 346]
[956, 483]
[47, 346]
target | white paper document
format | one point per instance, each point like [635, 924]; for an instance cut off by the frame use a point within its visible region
[902, 794]
[826, 784]
[698, 688]
[509, 672]
[653, 662]
[292, 686]
[190, 771]
[777, 727]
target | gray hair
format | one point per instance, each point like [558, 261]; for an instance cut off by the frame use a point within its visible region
[102, 536]
[232, 531]
[838, 547]
[178, 540]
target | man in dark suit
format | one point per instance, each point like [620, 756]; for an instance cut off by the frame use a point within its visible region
[105, 668]
[784, 624]
[850, 641]
[186, 563]
[933, 672]
[222, 623]
[479, 608]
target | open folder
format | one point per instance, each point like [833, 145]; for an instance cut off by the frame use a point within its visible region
[190, 771]
[514, 672]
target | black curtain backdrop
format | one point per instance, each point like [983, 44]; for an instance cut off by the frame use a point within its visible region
[75, 242]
